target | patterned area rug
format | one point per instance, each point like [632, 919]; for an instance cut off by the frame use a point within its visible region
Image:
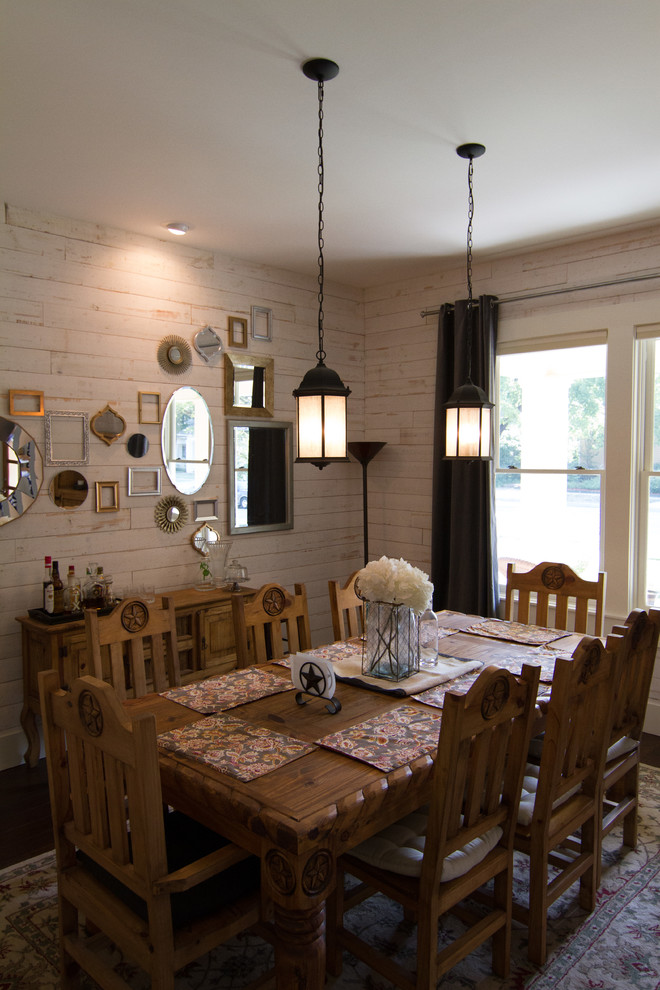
[618, 946]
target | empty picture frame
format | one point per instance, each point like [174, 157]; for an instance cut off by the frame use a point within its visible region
[205, 508]
[143, 481]
[262, 323]
[107, 496]
[67, 438]
[238, 331]
[25, 402]
[148, 407]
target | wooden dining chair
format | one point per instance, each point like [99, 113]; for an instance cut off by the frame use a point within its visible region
[554, 585]
[160, 887]
[432, 860]
[134, 647]
[559, 819]
[273, 624]
[346, 608]
[621, 772]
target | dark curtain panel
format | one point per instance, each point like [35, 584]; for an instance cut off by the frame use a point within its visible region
[463, 541]
[266, 476]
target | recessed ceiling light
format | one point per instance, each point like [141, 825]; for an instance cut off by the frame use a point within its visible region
[178, 228]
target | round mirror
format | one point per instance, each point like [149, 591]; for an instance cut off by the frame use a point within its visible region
[137, 445]
[187, 440]
[68, 489]
[21, 471]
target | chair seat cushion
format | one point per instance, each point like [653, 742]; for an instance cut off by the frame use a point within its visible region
[399, 848]
[188, 841]
[621, 748]
[528, 795]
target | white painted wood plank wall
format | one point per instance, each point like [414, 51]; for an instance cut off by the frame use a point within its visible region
[83, 308]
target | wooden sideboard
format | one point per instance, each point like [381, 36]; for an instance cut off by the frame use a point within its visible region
[205, 637]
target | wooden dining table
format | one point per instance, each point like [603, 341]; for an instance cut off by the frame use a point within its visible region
[300, 816]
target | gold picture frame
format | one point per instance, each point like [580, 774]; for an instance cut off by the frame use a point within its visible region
[107, 496]
[25, 402]
[149, 407]
[238, 331]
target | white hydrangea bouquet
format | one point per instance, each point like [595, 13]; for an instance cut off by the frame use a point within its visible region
[396, 582]
[395, 595]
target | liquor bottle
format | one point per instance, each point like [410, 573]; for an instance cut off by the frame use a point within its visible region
[72, 591]
[58, 589]
[94, 589]
[49, 590]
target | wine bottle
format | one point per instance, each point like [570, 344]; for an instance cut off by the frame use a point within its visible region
[72, 592]
[58, 589]
[49, 590]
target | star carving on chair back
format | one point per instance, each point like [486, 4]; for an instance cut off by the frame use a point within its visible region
[134, 616]
[591, 663]
[495, 699]
[273, 602]
[90, 714]
[553, 578]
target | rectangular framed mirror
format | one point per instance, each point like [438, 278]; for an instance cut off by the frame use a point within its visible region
[249, 385]
[260, 460]
[67, 438]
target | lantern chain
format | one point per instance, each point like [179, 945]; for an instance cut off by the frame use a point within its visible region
[320, 354]
[469, 267]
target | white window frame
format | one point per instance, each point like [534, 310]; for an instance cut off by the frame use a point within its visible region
[560, 342]
[646, 338]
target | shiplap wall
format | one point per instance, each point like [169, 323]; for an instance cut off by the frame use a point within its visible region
[83, 309]
[400, 369]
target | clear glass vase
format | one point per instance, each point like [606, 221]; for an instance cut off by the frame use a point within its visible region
[391, 642]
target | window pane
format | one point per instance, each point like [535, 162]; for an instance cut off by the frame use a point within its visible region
[548, 517]
[552, 408]
[656, 409]
[653, 541]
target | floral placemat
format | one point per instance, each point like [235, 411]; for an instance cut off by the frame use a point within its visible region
[389, 740]
[235, 747]
[516, 632]
[544, 659]
[238, 687]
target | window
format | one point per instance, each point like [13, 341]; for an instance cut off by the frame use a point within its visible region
[551, 457]
[649, 487]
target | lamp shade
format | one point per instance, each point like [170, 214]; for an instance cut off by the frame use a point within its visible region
[321, 400]
[468, 424]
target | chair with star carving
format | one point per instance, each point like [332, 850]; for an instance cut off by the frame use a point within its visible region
[555, 587]
[346, 608]
[161, 889]
[434, 860]
[272, 625]
[134, 647]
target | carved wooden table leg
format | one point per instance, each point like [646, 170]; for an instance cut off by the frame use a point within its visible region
[298, 886]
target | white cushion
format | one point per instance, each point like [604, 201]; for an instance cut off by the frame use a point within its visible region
[621, 748]
[528, 795]
[400, 849]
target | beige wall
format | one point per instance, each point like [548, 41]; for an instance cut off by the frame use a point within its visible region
[83, 311]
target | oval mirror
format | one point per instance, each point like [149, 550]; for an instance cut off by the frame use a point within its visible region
[137, 445]
[187, 440]
[21, 470]
[68, 489]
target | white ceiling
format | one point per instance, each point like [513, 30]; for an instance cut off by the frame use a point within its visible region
[133, 113]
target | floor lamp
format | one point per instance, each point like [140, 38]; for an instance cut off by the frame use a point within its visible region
[365, 451]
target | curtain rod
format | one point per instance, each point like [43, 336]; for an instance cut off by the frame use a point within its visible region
[559, 292]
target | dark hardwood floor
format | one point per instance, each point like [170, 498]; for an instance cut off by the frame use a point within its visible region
[25, 826]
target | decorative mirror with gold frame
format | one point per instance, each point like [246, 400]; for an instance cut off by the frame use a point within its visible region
[108, 425]
[249, 385]
[204, 538]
